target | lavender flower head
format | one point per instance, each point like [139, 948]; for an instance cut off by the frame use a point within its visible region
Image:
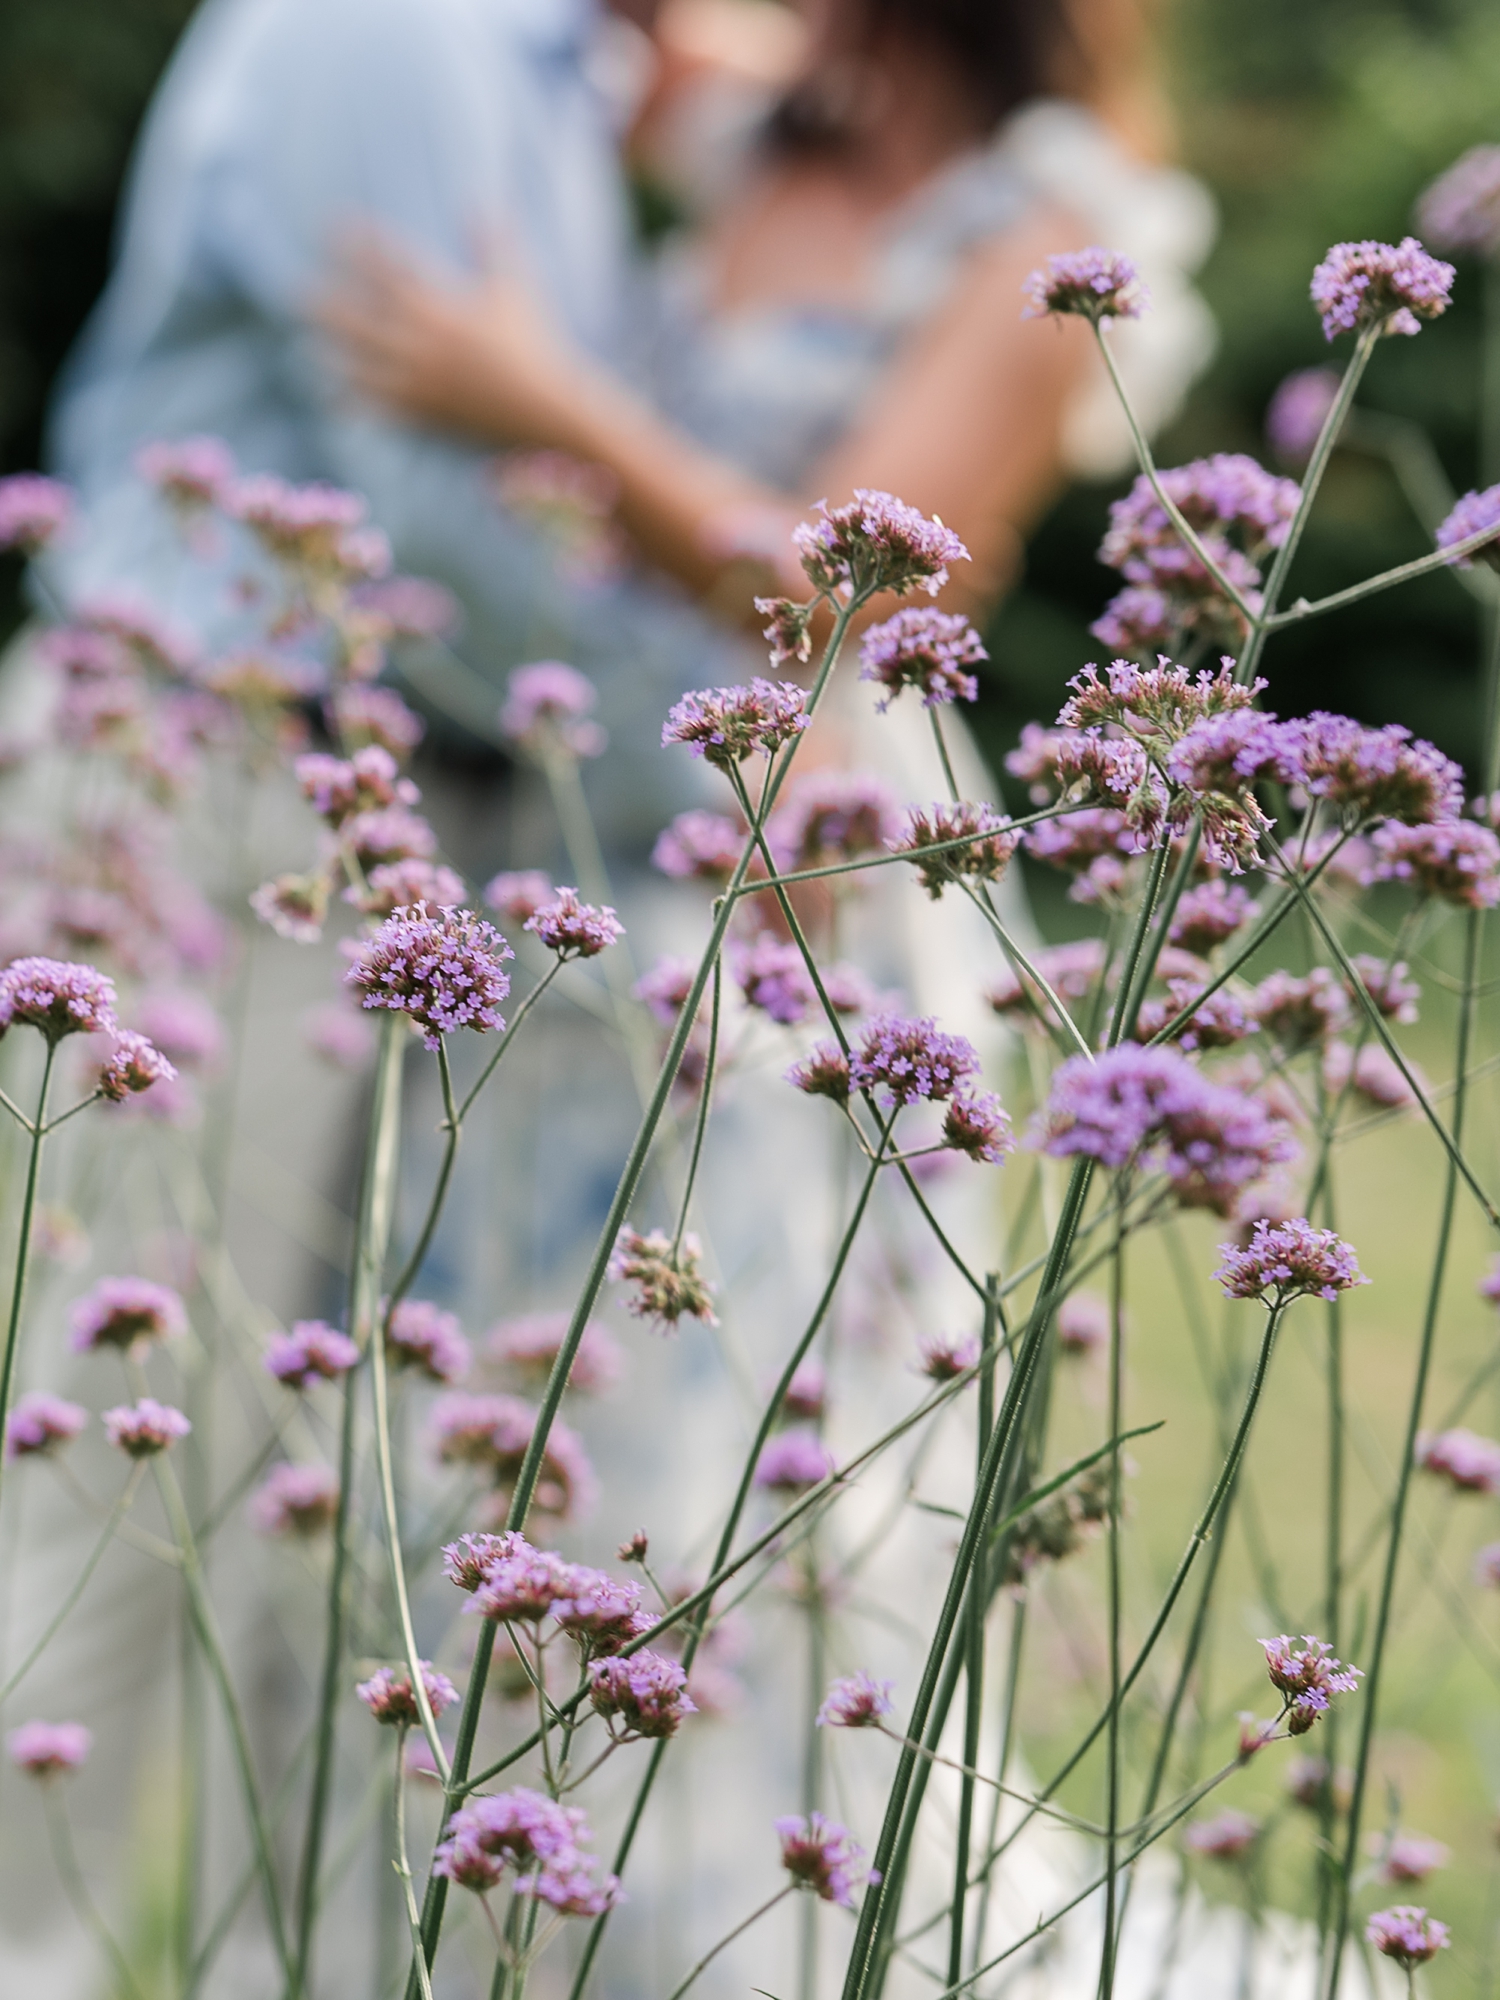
[47, 1749]
[976, 1123]
[573, 929]
[601, 1612]
[539, 1840]
[58, 997]
[529, 1345]
[666, 1276]
[33, 511]
[1097, 284]
[399, 885]
[789, 628]
[518, 895]
[1307, 1676]
[133, 1065]
[1489, 1284]
[1394, 286]
[1405, 1858]
[1407, 1934]
[1298, 411]
[1210, 914]
[518, 1583]
[391, 1698]
[1474, 514]
[39, 1423]
[645, 1695]
[1229, 1837]
[126, 1313]
[943, 1357]
[699, 844]
[821, 1855]
[548, 705]
[1083, 1323]
[924, 648]
[1470, 1463]
[294, 906]
[143, 1429]
[724, 725]
[876, 542]
[312, 1352]
[855, 1702]
[908, 1062]
[772, 975]
[423, 1337]
[359, 715]
[830, 816]
[191, 473]
[300, 1500]
[822, 1072]
[989, 843]
[495, 1432]
[1288, 1260]
[444, 971]
[793, 1461]
[1455, 860]
[1461, 209]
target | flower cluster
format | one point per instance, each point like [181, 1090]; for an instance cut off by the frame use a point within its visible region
[312, 1352]
[134, 1064]
[33, 511]
[529, 1346]
[923, 648]
[855, 1702]
[443, 971]
[1455, 860]
[943, 1357]
[821, 1855]
[1307, 1676]
[539, 1841]
[58, 997]
[1298, 411]
[665, 1275]
[792, 1461]
[988, 844]
[1098, 285]
[1229, 1837]
[1060, 1525]
[494, 1433]
[549, 706]
[910, 1062]
[1367, 773]
[1461, 209]
[1392, 286]
[422, 1336]
[1470, 1463]
[47, 1749]
[1071, 970]
[831, 816]
[143, 1429]
[1407, 1934]
[773, 976]
[1300, 1013]
[1474, 514]
[126, 1313]
[573, 929]
[301, 1500]
[699, 844]
[39, 1423]
[337, 788]
[644, 1695]
[391, 1698]
[876, 542]
[517, 896]
[724, 725]
[1286, 1260]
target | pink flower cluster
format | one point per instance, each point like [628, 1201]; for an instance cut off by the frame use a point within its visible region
[875, 542]
[666, 1277]
[1470, 1463]
[644, 1695]
[1288, 1259]
[549, 706]
[823, 1856]
[539, 1841]
[301, 1500]
[926, 649]
[725, 725]
[1099, 285]
[312, 1352]
[831, 816]
[422, 1336]
[529, 1345]
[855, 1702]
[443, 971]
[494, 1433]
[1407, 1934]
[988, 844]
[573, 929]
[126, 1313]
[1307, 1676]
[1391, 285]
[143, 1429]
[39, 1423]
[391, 1698]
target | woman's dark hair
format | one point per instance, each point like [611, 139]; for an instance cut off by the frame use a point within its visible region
[1006, 52]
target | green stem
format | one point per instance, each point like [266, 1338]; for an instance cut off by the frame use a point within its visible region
[705, 1095]
[1387, 579]
[116, 1514]
[509, 1036]
[1112, 1745]
[77, 1889]
[973, 1661]
[1027, 970]
[1344, 1887]
[738, 1931]
[403, 1868]
[23, 1244]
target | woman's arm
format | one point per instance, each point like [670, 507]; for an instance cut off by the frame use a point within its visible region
[965, 424]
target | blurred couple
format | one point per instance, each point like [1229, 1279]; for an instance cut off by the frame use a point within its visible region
[374, 241]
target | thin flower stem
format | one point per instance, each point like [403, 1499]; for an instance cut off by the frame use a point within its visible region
[1377, 1021]
[972, 1776]
[1164, 499]
[116, 1514]
[436, 1895]
[943, 758]
[23, 1244]
[1442, 558]
[1112, 1742]
[8, 1103]
[974, 1653]
[372, 1223]
[757, 884]
[1027, 970]
[77, 1890]
[1349, 1860]
[206, 1627]
[453, 1127]
[1139, 961]
[509, 1036]
[1166, 911]
[739, 1930]
[94, 1097]
[705, 1096]
[403, 1868]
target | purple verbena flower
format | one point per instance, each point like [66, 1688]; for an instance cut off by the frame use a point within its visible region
[387, 834]
[529, 1345]
[1406, 1858]
[1210, 914]
[134, 1064]
[391, 1698]
[822, 1072]
[58, 997]
[48, 1749]
[602, 1612]
[789, 629]
[312, 1352]
[1071, 970]
[315, 531]
[573, 929]
[338, 787]
[1307, 1676]
[1229, 1837]
[522, 1584]
[1034, 761]
[772, 975]
[943, 1357]
[1091, 845]
[924, 648]
[855, 1702]
[126, 1313]
[831, 816]
[910, 1061]
[494, 1433]
[549, 706]
[1373, 773]
[1300, 1013]
[1455, 860]
[401, 885]
[425, 1338]
[192, 473]
[359, 715]
[1393, 286]
[295, 1500]
[1407, 1934]
[1288, 1259]
[340, 1037]
[1141, 619]
[988, 846]
[1461, 209]
[1470, 1463]
[33, 511]
[666, 1276]
[977, 1123]
[516, 896]
[646, 1695]
[1083, 1323]
[792, 1461]
[144, 1428]
[807, 1393]
[39, 1423]
[1099, 285]
[1474, 514]
[294, 906]
[821, 1855]
[409, 607]
[1390, 985]
[444, 971]
[665, 988]
[724, 725]
[469, 1560]
[184, 1026]
[1369, 1071]
[1298, 411]
[876, 542]
[699, 844]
